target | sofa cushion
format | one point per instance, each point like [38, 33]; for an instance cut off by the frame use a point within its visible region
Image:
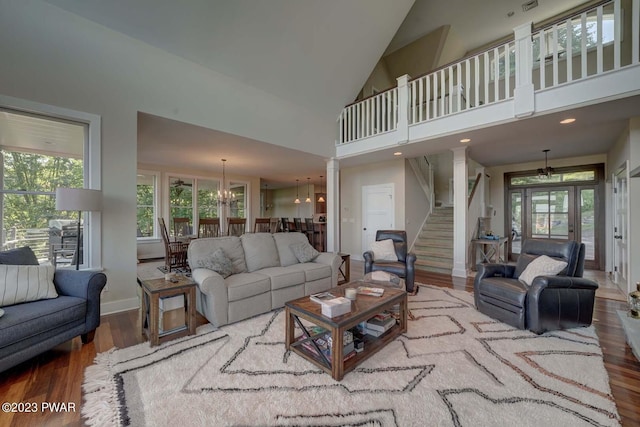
[219, 262]
[259, 251]
[19, 256]
[284, 242]
[203, 249]
[313, 271]
[304, 252]
[24, 283]
[245, 285]
[541, 266]
[22, 321]
[283, 277]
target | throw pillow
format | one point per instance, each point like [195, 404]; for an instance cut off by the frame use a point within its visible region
[304, 252]
[24, 283]
[219, 262]
[19, 256]
[384, 250]
[542, 266]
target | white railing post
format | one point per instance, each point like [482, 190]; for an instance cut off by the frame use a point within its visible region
[403, 109]
[523, 99]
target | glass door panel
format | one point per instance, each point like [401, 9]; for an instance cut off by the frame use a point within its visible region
[550, 214]
[516, 222]
[587, 222]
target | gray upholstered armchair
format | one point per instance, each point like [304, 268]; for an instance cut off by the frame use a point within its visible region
[550, 302]
[404, 267]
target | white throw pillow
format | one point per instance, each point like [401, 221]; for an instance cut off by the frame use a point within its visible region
[23, 283]
[541, 266]
[384, 250]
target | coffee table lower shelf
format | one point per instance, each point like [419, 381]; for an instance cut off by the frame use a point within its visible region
[335, 365]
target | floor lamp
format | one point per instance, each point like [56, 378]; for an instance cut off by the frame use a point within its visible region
[81, 200]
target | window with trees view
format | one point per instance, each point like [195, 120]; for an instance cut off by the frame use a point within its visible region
[146, 191]
[39, 154]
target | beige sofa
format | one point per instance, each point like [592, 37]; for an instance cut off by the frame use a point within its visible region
[266, 274]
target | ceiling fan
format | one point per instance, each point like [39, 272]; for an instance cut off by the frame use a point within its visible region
[179, 183]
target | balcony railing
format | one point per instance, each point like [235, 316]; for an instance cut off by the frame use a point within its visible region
[589, 43]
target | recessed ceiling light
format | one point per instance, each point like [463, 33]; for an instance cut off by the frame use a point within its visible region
[398, 153]
[465, 140]
[567, 121]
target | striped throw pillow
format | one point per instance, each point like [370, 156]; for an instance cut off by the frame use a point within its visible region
[23, 283]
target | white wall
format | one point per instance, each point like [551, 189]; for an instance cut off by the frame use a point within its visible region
[284, 207]
[351, 182]
[416, 204]
[53, 57]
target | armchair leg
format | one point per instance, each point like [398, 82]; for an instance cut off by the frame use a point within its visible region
[88, 337]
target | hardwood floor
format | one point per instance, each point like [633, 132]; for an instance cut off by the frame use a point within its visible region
[56, 376]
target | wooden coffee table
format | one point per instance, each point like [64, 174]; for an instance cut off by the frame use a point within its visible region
[362, 308]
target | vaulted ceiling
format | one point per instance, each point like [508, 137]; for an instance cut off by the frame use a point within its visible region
[314, 54]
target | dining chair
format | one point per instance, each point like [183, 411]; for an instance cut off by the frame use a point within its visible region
[298, 224]
[284, 223]
[262, 225]
[236, 226]
[175, 253]
[312, 233]
[273, 225]
[208, 227]
[181, 227]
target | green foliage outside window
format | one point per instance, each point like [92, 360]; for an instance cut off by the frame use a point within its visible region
[29, 182]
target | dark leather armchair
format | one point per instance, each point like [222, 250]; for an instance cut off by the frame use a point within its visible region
[404, 267]
[550, 303]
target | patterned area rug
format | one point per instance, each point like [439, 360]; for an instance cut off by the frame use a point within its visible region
[453, 367]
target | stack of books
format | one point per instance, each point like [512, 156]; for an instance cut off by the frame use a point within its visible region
[324, 342]
[379, 324]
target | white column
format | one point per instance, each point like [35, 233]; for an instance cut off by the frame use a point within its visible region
[523, 97]
[333, 205]
[459, 212]
[403, 109]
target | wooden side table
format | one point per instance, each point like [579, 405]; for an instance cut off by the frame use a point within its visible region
[345, 268]
[152, 291]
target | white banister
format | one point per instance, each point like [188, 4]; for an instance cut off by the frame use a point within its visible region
[592, 38]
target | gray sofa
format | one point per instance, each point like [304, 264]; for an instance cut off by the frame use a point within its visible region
[266, 274]
[31, 328]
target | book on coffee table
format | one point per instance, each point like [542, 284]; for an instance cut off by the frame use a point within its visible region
[368, 290]
[322, 297]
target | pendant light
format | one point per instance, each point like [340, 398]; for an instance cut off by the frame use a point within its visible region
[548, 170]
[297, 200]
[308, 199]
[321, 199]
[226, 196]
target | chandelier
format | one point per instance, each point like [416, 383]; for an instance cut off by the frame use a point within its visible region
[225, 195]
[548, 170]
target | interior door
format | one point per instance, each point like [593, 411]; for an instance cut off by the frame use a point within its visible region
[377, 212]
[620, 265]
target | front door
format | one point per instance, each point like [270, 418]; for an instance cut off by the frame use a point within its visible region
[562, 208]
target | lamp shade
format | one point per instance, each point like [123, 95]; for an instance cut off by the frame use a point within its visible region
[78, 199]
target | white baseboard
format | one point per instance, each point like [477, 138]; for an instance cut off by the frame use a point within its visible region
[118, 306]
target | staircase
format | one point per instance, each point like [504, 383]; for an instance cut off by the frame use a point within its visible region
[434, 246]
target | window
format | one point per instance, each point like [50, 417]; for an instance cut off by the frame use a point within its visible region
[577, 176]
[575, 33]
[180, 201]
[39, 154]
[207, 198]
[146, 190]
